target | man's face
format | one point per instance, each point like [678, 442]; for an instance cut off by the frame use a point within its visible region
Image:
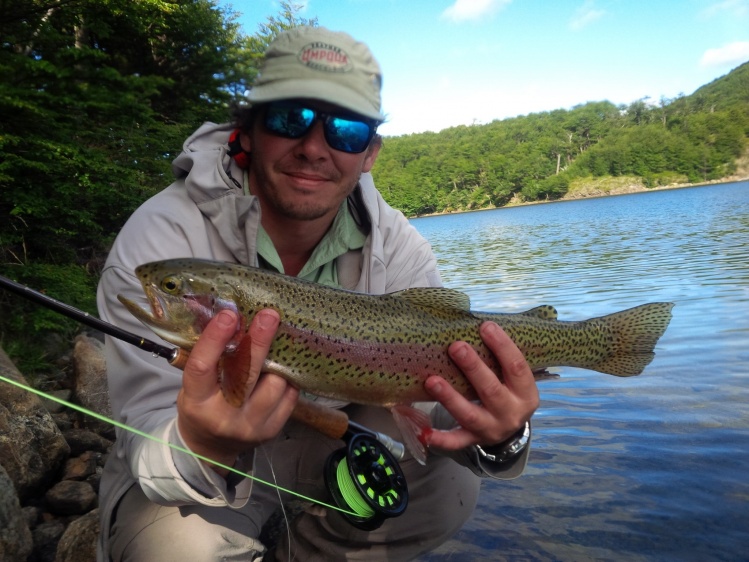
[303, 179]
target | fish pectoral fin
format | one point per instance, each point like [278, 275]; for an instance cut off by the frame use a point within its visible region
[235, 370]
[435, 297]
[416, 427]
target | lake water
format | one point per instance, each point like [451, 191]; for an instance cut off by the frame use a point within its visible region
[654, 467]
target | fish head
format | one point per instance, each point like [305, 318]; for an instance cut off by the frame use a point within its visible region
[182, 299]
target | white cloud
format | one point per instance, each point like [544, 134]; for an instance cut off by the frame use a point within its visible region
[585, 14]
[735, 8]
[733, 53]
[464, 10]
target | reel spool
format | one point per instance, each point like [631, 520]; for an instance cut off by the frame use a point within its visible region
[365, 478]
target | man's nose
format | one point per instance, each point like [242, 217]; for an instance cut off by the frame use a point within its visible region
[313, 144]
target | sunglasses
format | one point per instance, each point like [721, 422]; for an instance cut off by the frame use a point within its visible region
[347, 133]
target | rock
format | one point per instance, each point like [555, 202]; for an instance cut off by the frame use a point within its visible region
[54, 407]
[32, 514]
[31, 446]
[15, 536]
[80, 468]
[63, 421]
[46, 536]
[78, 544]
[90, 382]
[82, 440]
[71, 497]
[52, 520]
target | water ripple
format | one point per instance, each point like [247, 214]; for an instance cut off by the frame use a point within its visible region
[621, 469]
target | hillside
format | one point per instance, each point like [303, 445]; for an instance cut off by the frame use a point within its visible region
[542, 156]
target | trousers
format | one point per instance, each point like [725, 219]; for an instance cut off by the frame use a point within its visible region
[442, 496]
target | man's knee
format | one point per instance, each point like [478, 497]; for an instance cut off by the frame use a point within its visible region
[190, 536]
[146, 531]
[443, 496]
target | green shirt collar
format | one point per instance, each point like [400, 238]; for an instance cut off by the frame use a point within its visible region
[344, 235]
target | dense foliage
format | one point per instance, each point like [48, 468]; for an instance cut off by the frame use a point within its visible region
[536, 157]
[96, 98]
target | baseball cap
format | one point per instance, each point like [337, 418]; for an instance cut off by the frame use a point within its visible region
[316, 63]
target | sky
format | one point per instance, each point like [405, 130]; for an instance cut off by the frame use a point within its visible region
[461, 62]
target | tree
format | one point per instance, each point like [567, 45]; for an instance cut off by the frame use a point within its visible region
[96, 98]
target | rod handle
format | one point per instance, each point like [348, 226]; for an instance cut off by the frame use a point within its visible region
[179, 358]
[328, 421]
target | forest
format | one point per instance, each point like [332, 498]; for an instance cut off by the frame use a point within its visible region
[690, 139]
[96, 97]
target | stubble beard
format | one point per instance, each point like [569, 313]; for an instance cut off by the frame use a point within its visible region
[289, 207]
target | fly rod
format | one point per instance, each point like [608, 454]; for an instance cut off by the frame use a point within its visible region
[328, 421]
[170, 354]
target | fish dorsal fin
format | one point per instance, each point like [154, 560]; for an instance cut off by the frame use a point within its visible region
[545, 312]
[435, 297]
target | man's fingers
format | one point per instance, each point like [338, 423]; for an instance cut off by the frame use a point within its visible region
[516, 373]
[200, 376]
[277, 400]
[464, 412]
[506, 401]
[262, 331]
[488, 386]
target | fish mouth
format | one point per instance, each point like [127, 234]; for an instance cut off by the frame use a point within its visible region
[169, 316]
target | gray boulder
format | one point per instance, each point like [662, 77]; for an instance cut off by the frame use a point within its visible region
[15, 536]
[32, 448]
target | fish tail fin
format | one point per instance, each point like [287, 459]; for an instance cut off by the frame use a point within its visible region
[637, 331]
[415, 426]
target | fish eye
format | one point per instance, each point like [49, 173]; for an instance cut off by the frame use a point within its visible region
[171, 284]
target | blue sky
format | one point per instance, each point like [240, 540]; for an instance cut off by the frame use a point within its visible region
[453, 62]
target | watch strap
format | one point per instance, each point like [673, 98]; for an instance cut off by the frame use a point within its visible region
[508, 449]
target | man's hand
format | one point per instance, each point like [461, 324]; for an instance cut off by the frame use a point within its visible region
[208, 424]
[506, 403]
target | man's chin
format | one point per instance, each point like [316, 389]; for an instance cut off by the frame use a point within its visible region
[303, 212]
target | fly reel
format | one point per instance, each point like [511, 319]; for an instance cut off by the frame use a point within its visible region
[365, 478]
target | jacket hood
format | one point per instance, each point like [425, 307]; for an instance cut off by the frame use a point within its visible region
[204, 160]
[203, 166]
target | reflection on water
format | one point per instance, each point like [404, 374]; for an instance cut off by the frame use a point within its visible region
[647, 468]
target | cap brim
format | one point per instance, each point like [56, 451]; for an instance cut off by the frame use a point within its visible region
[322, 90]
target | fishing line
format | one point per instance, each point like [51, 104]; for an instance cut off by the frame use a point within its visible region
[184, 450]
[366, 478]
[269, 459]
[350, 494]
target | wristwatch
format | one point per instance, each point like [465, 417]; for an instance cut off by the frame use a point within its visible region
[508, 449]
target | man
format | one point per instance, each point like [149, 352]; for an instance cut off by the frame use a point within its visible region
[286, 187]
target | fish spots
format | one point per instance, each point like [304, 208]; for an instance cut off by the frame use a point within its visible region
[384, 346]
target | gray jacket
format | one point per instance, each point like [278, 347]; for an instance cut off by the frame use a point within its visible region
[205, 214]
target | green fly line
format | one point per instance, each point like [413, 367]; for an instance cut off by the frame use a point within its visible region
[184, 450]
[350, 493]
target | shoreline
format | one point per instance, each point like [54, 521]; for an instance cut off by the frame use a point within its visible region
[595, 194]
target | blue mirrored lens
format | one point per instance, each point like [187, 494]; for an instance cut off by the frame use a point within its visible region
[293, 121]
[347, 135]
[289, 121]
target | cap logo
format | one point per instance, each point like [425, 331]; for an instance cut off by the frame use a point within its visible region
[322, 56]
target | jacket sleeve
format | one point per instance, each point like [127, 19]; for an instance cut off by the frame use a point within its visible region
[143, 389]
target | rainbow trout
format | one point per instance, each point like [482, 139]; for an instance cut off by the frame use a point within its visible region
[379, 349]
